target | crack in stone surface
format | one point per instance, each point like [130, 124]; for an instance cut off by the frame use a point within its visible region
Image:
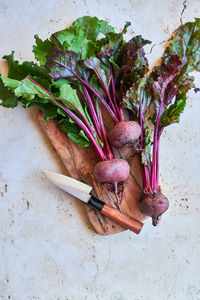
[108, 261]
[152, 48]
[157, 44]
[181, 20]
[184, 8]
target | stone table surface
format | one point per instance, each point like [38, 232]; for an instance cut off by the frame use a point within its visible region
[48, 250]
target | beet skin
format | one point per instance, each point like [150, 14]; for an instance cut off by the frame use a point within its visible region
[124, 133]
[154, 205]
[112, 171]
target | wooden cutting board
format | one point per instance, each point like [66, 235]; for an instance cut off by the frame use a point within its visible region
[79, 163]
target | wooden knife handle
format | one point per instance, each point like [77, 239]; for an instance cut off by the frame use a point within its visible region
[115, 214]
[122, 219]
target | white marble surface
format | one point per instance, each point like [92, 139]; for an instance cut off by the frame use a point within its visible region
[48, 250]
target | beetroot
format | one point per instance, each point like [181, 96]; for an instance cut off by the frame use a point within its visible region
[112, 171]
[154, 205]
[124, 133]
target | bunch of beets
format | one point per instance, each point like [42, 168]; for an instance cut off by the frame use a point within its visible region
[89, 68]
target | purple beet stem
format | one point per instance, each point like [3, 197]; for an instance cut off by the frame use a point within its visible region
[55, 37]
[106, 90]
[93, 111]
[118, 107]
[76, 119]
[150, 172]
[92, 89]
[109, 152]
[82, 116]
[99, 125]
[145, 171]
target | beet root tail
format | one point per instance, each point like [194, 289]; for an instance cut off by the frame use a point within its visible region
[156, 220]
[118, 197]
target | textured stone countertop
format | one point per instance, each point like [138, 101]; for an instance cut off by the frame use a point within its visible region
[48, 250]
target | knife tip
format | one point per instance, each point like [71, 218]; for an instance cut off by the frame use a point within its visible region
[48, 174]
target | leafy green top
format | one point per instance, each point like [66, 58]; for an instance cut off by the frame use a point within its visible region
[81, 66]
[165, 89]
[89, 64]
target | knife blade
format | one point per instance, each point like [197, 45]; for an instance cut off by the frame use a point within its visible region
[83, 192]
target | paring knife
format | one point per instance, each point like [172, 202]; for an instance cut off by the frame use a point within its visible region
[83, 191]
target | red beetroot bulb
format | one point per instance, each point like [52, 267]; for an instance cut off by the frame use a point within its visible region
[112, 171]
[154, 205]
[124, 133]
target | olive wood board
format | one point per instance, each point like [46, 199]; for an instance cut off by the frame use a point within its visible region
[79, 163]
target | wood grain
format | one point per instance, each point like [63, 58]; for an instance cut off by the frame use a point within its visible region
[79, 163]
[124, 220]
